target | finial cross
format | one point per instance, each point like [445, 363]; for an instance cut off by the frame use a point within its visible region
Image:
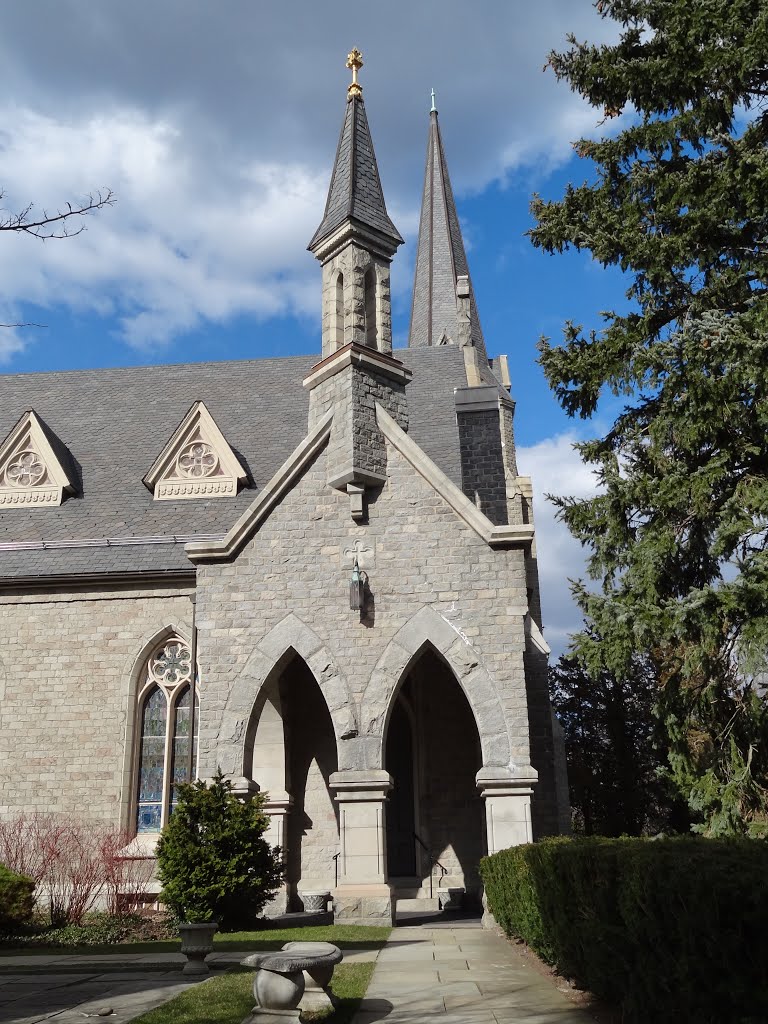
[354, 62]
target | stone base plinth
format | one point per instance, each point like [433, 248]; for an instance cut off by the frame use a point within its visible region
[263, 1016]
[373, 905]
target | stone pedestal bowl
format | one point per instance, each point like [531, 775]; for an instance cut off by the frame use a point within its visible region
[317, 981]
[279, 982]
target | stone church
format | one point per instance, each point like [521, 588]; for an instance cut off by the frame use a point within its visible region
[315, 573]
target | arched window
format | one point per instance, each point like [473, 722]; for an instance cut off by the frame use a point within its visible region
[369, 287]
[166, 732]
[337, 333]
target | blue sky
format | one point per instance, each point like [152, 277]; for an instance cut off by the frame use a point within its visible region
[216, 127]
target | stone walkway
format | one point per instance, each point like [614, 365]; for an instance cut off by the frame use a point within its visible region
[69, 989]
[444, 972]
[460, 975]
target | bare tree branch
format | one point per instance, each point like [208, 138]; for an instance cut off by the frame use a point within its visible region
[54, 225]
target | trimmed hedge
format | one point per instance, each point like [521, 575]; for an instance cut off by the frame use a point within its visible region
[671, 930]
[17, 899]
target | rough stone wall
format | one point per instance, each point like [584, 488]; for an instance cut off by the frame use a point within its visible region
[356, 441]
[417, 552]
[67, 710]
[545, 809]
[482, 463]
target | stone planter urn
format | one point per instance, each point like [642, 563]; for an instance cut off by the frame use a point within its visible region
[314, 900]
[279, 982]
[196, 944]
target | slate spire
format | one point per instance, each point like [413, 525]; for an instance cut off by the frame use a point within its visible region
[355, 193]
[444, 309]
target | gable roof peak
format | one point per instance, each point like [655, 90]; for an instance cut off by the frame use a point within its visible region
[36, 467]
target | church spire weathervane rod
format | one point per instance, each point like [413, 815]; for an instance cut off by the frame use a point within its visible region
[354, 62]
[433, 109]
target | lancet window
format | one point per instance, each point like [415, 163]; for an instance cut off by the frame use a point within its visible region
[166, 728]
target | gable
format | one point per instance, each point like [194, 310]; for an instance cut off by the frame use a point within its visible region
[197, 462]
[35, 467]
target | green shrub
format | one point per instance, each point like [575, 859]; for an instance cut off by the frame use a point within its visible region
[213, 860]
[17, 899]
[668, 929]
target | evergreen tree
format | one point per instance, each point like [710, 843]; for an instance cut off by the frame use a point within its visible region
[213, 860]
[615, 750]
[679, 201]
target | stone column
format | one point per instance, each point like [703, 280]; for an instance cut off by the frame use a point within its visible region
[507, 793]
[362, 895]
[276, 808]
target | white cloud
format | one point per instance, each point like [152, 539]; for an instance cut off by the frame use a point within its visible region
[555, 468]
[216, 130]
[188, 239]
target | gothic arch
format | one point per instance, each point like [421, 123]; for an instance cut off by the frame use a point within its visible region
[429, 629]
[289, 637]
[133, 670]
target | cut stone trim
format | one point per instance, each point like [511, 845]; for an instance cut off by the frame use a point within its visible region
[288, 637]
[232, 543]
[197, 462]
[495, 536]
[361, 357]
[32, 472]
[534, 635]
[427, 628]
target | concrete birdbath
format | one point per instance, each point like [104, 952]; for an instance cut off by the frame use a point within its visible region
[280, 980]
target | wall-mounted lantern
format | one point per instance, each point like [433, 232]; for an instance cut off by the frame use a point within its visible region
[357, 588]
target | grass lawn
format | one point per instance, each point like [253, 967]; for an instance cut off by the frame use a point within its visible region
[344, 936]
[229, 999]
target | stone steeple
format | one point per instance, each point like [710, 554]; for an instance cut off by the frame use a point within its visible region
[444, 311]
[355, 244]
[356, 239]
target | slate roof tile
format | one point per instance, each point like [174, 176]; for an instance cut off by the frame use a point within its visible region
[114, 422]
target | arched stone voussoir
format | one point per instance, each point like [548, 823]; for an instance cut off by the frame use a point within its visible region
[289, 637]
[290, 632]
[427, 628]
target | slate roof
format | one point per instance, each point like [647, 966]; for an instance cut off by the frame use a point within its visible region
[440, 257]
[355, 191]
[114, 422]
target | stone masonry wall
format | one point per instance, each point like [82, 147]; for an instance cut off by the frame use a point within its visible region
[66, 706]
[356, 441]
[482, 462]
[416, 551]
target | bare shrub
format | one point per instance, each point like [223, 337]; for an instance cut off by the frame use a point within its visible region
[127, 872]
[75, 863]
[28, 843]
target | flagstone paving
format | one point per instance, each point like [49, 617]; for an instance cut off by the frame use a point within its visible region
[460, 975]
[69, 989]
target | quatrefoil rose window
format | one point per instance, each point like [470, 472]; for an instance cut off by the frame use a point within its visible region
[197, 460]
[26, 470]
[172, 664]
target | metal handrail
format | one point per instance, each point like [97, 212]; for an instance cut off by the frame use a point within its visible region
[335, 860]
[434, 863]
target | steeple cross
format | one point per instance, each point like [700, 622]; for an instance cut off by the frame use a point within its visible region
[354, 62]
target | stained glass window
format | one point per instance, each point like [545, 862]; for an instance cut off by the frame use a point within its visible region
[165, 733]
[152, 761]
[181, 743]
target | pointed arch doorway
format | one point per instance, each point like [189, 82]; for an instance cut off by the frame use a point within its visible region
[291, 754]
[435, 815]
